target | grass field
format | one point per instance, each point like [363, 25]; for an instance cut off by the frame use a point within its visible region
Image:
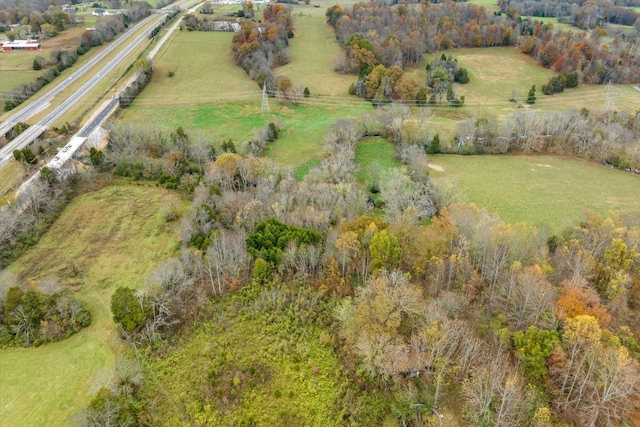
[230, 108]
[491, 5]
[313, 53]
[113, 237]
[557, 25]
[9, 175]
[374, 157]
[540, 189]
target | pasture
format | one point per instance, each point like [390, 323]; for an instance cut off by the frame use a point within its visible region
[374, 157]
[557, 191]
[230, 107]
[499, 73]
[104, 239]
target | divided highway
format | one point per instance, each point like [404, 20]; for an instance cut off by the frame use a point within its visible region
[24, 139]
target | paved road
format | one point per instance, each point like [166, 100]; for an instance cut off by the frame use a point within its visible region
[25, 138]
[35, 106]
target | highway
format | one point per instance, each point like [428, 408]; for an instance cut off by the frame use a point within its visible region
[36, 106]
[24, 139]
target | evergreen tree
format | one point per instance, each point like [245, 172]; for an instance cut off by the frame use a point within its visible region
[531, 98]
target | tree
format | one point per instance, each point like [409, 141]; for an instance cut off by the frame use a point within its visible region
[37, 65]
[28, 156]
[531, 97]
[60, 19]
[306, 92]
[434, 147]
[385, 250]
[48, 175]
[270, 238]
[129, 310]
[96, 156]
[532, 348]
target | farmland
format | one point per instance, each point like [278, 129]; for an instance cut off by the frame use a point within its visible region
[540, 189]
[270, 354]
[105, 251]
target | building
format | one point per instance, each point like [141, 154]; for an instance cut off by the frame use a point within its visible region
[100, 12]
[31, 44]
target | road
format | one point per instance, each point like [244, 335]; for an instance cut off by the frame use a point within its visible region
[37, 105]
[27, 137]
[24, 139]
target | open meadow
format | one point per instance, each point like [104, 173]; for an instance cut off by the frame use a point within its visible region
[231, 107]
[104, 239]
[557, 191]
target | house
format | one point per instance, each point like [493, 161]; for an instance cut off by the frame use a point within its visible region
[100, 12]
[31, 44]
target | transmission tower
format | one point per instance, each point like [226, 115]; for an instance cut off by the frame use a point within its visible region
[265, 99]
[610, 102]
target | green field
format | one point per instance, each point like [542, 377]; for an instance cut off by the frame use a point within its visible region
[557, 25]
[104, 239]
[491, 5]
[540, 189]
[374, 156]
[266, 362]
[313, 51]
[230, 108]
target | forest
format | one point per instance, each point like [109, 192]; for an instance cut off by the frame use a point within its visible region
[399, 36]
[436, 302]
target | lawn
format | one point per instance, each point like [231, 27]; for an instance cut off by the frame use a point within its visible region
[540, 189]
[104, 239]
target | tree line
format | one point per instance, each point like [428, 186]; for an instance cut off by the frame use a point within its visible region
[607, 137]
[260, 47]
[582, 14]
[401, 35]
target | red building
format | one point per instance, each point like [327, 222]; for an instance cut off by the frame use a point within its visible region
[31, 44]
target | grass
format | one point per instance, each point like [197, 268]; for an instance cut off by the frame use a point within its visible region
[313, 52]
[301, 144]
[258, 363]
[114, 237]
[374, 156]
[557, 25]
[199, 60]
[540, 189]
[491, 5]
[10, 176]
[230, 108]
[492, 81]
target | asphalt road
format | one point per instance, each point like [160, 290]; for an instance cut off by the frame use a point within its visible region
[38, 105]
[24, 139]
